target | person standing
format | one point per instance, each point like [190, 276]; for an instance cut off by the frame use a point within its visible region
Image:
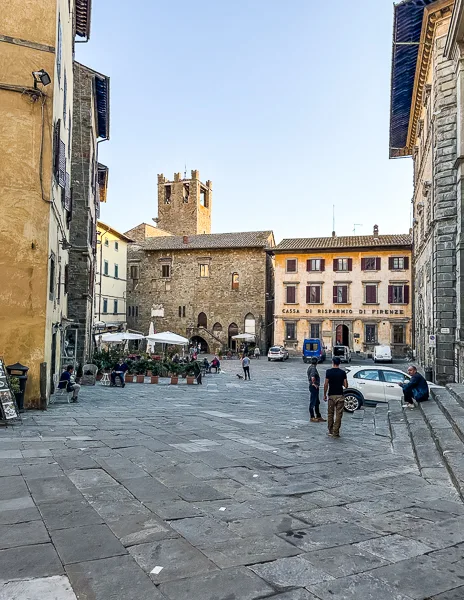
[257, 352]
[314, 381]
[246, 366]
[67, 382]
[335, 381]
[416, 388]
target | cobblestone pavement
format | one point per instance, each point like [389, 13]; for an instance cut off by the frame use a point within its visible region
[221, 492]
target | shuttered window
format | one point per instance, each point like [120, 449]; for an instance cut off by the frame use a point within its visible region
[313, 294]
[398, 263]
[290, 292]
[67, 193]
[398, 294]
[343, 264]
[291, 265]
[66, 278]
[315, 264]
[371, 294]
[340, 294]
[371, 264]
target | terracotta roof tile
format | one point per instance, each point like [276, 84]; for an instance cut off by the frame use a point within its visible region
[349, 241]
[244, 239]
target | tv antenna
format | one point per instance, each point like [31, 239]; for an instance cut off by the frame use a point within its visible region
[185, 171]
[356, 225]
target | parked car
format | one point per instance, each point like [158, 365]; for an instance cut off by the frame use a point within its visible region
[343, 353]
[277, 353]
[313, 347]
[368, 385]
[382, 354]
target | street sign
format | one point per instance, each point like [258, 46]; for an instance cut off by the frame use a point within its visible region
[432, 341]
[445, 330]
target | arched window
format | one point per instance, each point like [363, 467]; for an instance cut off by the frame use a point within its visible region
[217, 328]
[202, 320]
[235, 281]
[250, 324]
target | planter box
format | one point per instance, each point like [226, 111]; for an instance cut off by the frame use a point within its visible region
[129, 378]
[190, 380]
[154, 379]
[140, 378]
[174, 380]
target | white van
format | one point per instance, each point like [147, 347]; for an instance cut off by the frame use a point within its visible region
[382, 354]
[343, 353]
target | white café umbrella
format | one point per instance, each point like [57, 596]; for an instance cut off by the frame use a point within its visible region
[118, 338]
[151, 329]
[167, 337]
[244, 336]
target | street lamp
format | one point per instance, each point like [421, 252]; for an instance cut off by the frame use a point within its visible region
[41, 77]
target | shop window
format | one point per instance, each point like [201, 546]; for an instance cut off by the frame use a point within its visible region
[291, 265]
[235, 281]
[290, 331]
[370, 293]
[398, 334]
[313, 294]
[315, 330]
[290, 293]
[370, 334]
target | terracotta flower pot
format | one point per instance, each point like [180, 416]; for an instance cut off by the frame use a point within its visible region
[140, 378]
[149, 374]
[190, 380]
[154, 379]
[174, 380]
[129, 378]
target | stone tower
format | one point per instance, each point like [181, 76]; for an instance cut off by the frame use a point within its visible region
[184, 205]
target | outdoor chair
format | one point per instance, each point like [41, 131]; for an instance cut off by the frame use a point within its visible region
[89, 376]
[59, 392]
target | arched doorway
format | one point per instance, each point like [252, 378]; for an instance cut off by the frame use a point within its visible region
[250, 324]
[233, 330]
[196, 339]
[202, 320]
[342, 335]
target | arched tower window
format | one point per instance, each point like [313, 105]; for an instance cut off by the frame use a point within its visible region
[217, 328]
[250, 324]
[235, 281]
[202, 320]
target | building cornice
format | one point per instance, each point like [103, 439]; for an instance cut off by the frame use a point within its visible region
[432, 14]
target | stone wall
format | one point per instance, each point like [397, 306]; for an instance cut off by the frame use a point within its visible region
[144, 230]
[186, 291]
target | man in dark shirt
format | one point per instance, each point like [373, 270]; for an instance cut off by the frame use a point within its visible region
[314, 381]
[119, 370]
[67, 382]
[335, 381]
[416, 388]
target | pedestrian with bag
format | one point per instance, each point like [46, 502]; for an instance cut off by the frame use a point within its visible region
[335, 381]
[314, 381]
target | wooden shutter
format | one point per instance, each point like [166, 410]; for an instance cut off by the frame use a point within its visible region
[335, 264]
[56, 148]
[406, 262]
[390, 292]
[371, 294]
[67, 192]
[62, 165]
[308, 294]
[322, 264]
[308, 265]
[406, 294]
[390, 263]
[344, 294]
[378, 263]
[291, 265]
[69, 214]
[318, 295]
[335, 295]
[66, 278]
[363, 264]
[291, 294]
[350, 264]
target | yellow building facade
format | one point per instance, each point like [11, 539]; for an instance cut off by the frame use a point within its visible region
[35, 158]
[354, 291]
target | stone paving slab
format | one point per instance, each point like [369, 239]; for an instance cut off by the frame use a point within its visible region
[356, 587]
[28, 562]
[290, 572]
[21, 534]
[45, 588]
[88, 542]
[344, 560]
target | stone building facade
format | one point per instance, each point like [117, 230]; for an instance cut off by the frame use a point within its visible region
[207, 287]
[427, 123]
[353, 291]
[36, 108]
[89, 186]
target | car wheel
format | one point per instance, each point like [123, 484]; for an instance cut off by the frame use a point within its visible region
[305, 361]
[353, 402]
[268, 360]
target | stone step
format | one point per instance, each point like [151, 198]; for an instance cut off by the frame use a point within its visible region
[444, 417]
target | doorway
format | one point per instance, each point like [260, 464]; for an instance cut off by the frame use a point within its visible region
[53, 362]
[342, 336]
[196, 339]
[233, 330]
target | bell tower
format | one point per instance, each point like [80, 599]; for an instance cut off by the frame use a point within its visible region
[184, 205]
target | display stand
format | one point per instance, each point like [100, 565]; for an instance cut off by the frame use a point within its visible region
[8, 407]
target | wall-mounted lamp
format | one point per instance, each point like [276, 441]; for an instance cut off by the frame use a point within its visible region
[41, 77]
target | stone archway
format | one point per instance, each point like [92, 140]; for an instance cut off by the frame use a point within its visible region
[197, 339]
[233, 330]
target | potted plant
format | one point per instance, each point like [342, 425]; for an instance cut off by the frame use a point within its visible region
[141, 367]
[155, 371]
[190, 372]
[173, 369]
[15, 388]
[129, 376]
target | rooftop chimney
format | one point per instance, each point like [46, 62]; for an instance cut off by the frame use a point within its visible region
[376, 231]
[185, 239]
[333, 234]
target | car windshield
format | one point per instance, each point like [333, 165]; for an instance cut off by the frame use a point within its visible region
[338, 350]
[276, 349]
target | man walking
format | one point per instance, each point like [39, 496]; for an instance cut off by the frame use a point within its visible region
[246, 366]
[417, 388]
[335, 381]
[314, 381]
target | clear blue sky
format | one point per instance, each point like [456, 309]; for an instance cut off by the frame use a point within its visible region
[284, 106]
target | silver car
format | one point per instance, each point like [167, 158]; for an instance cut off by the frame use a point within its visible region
[277, 353]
